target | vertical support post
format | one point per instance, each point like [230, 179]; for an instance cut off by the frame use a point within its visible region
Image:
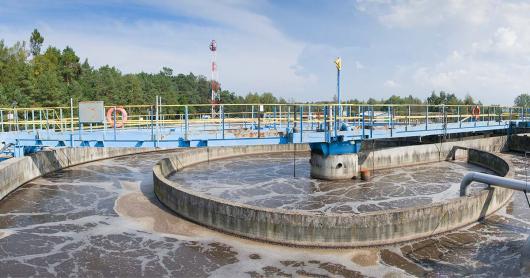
[223, 119]
[326, 125]
[427, 117]
[25, 120]
[152, 118]
[288, 118]
[371, 122]
[408, 120]
[274, 116]
[359, 114]
[47, 121]
[2, 120]
[338, 63]
[156, 119]
[71, 115]
[475, 118]
[160, 112]
[16, 119]
[362, 121]
[391, 115]
[252, 116]
[389, 120]
[61, 119]
[444, 120]
[186, 123]
[310, 117]
[280, 108]
[489, 115]
[33, 119]
[259, 123]
[349, 115]
[40, 118]
[301, 122]
[114, 122]
[459, 120]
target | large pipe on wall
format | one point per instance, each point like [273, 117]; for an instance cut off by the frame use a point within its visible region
[491, 180]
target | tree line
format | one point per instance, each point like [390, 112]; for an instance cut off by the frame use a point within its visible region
[33, 77]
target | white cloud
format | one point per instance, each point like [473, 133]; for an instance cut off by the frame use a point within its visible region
[489, 40]
[358, 65]
[391, 84]
[414, 13]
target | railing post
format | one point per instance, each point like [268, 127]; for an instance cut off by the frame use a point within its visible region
[2, 120]
[25, 120]
[252, 116]
[288, 117]
[326, 124]
[157, 124]
[71, 115]
[427, 117]
[408, 120]
[280, 108]
[301, 122]
[475, 120]
[389, 120]
[60, 119]
[335, 121]
[186, 123]
[223, 119]
[114, 122]
[358, 114]
[372, 122]
[259, 123]
[362, 120]
[47, 121]
[33, 119]
[489, 115]
[274, 116]
[459, 117]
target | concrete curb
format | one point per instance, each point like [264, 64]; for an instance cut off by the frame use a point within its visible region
[18, 171]
[304, 228]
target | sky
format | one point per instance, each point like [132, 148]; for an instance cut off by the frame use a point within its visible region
[287, 47]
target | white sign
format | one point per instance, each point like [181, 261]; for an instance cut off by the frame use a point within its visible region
[91, 112]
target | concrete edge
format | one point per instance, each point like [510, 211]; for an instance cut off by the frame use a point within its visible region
[18, 171]
[302, 226]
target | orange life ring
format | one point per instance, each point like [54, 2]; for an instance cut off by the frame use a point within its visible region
[476, 112]
[110, 116]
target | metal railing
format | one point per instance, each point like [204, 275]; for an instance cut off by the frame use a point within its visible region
[257, 120]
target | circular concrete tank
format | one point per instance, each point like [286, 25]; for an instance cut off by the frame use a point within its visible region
[326, 229]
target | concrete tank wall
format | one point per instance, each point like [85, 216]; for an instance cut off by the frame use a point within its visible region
[519, 143]
[17, 171]
[305, 228]
[412, 155]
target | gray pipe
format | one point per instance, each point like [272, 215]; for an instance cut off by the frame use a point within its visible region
[491, 180]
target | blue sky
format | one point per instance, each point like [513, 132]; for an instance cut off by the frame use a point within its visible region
[388, 47]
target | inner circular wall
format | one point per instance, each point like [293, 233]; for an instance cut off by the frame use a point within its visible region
[305, 228]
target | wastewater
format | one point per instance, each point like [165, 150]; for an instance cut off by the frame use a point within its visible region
[102, 219]
[283, 181]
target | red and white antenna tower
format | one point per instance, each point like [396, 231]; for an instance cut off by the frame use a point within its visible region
[216, 87]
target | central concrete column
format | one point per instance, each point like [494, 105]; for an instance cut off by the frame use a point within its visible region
[334, 167]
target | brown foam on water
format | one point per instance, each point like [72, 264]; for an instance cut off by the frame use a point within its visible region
[5, 233]
[138, 207]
